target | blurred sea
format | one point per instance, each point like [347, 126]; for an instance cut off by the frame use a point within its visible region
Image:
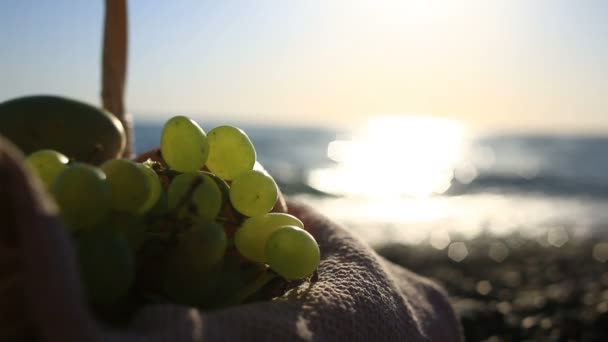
[549, 188]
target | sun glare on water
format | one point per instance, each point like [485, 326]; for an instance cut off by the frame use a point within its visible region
[393, 156]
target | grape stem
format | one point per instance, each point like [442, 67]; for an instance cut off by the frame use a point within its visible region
[250, 289]
[195, 183]
[184, 200]
[168, 172]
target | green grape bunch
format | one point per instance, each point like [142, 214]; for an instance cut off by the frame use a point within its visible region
[192, 225]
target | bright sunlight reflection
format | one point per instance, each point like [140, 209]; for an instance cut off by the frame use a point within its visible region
[394, 156]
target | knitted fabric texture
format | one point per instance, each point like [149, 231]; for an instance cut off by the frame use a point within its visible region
[358, 295]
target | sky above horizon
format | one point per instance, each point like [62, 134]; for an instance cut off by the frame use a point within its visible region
[503, 65]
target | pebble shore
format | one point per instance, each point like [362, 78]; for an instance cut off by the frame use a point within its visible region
[514, 288]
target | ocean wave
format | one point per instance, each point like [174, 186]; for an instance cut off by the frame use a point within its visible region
[543, 184]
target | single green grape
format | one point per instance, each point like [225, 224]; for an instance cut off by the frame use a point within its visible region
[194, 195]
[230, 152]
[250, 240]
[128, 184]
[47, 164]
[292, 252]
[133, 227]
[193, 270]
[232, 278]
[107, 266]
[221, 184]
[191, 288]
[83, 196]
[201, 247]
[253, 193]
[183, 144]
[161, 208]
[154, 185]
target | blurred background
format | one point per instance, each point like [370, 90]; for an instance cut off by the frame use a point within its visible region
[465, 139]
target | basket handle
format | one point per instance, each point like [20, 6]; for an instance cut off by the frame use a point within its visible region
[114, 66]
